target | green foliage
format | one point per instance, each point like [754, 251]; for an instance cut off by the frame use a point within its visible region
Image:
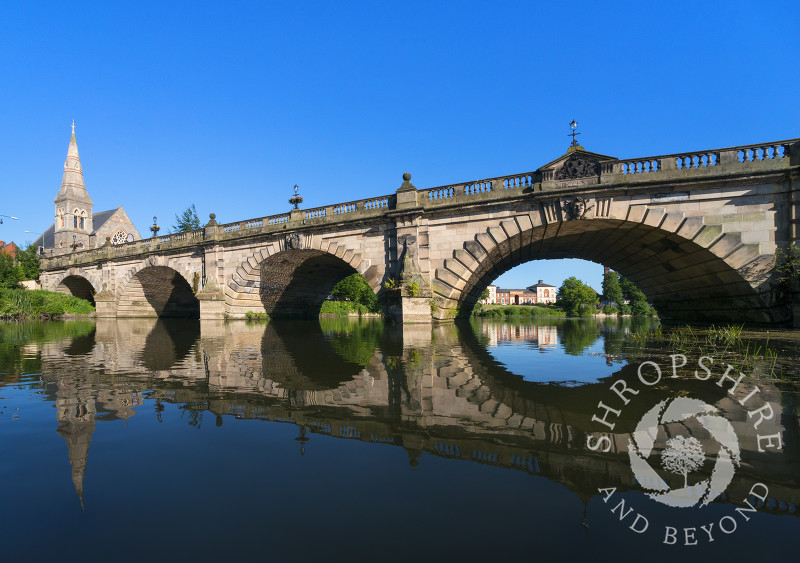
[10, 271]
[28, 261]
[344, 309]
[576, 297]
[413, 289]
[611, 288]
[610, 309]
[625, 309]
[517, 311]
[356, 289]
[787, 269]
[391, 283]
[186, 221]
[251, 316]
[638, 302]
[39, 303]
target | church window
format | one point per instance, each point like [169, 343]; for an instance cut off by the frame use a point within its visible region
[118, 237]
[83, 219]
[75, 220]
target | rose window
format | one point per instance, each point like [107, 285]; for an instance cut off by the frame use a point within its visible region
[118, 238]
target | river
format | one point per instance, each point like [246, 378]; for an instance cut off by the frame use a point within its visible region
[132, 440]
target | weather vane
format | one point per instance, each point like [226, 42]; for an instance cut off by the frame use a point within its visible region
[573, 125]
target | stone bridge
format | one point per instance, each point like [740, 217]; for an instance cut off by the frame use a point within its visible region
[697, 232]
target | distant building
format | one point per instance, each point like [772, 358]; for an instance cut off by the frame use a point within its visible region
[537, 294]
[545, 293]
[11, 249]
[491, 299]
[75, 223]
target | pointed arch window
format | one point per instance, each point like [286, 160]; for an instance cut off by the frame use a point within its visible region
[60, 214]
[83, 219]
[75, 218]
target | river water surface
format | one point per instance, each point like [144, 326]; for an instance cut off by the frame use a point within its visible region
[145, 440]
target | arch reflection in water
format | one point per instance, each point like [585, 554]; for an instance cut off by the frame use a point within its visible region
[434, 391]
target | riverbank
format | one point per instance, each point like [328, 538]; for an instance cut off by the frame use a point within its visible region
[517, 311]
[38, 303]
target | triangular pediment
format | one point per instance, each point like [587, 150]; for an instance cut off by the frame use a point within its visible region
[576, 163]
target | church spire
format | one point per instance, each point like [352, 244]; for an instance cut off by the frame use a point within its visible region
[72, 186]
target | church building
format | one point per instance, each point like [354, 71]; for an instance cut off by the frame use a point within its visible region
[76, 226]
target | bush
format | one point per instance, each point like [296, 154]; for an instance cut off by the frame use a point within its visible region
[610, 310]
[343, 308]
[41, 303]
[625, 309]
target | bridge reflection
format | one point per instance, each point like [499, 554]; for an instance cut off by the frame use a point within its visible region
[433, 391]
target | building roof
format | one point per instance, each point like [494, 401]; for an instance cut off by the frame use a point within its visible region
[509, 290]
[540, 284]
[9, 248]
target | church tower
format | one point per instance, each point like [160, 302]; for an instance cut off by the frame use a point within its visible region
[73, 205]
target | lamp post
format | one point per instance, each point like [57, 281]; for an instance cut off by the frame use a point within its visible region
[74, 244]
[15, 218]
[573, 125]
[296, 199]
[155, 228]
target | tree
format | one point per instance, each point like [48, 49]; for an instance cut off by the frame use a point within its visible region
[575, 296]
[611, 289]
[638, 300]
[186, 221]
[10, 271]
[682, 456]
[28, 261]
[356, 289]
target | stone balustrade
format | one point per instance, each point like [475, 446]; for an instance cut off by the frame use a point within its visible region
[633, 173]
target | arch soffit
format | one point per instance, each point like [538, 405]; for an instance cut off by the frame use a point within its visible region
[149, 262]
[250, 267]
[92, 278]
[460, 274]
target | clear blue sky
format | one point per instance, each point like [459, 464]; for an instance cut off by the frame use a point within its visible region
[227, 105]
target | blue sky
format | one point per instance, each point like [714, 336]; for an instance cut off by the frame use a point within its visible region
[228, 105]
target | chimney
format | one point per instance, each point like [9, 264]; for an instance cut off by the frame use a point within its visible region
[540, 281]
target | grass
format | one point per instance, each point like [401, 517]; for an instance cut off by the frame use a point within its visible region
[724, 342]
[344, 309]
[38, 303]
[517, 311]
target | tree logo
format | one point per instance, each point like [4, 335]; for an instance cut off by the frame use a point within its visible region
[684, 455]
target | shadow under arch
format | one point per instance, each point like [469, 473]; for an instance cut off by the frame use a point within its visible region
[77, 286]
[681, 279]
[169, 342]
[300, 355]
[164, 289]
[295, 283]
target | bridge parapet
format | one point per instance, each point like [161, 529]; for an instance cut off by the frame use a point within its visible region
[643, 172]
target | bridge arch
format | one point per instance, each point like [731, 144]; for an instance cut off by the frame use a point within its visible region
[294, 276]
[153, 288]
[688, 271]
[78, 282]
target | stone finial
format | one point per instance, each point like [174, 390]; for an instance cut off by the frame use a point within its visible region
[212, 220]
[407, 185]
[108, 241]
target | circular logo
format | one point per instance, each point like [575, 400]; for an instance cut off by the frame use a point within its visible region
[684, 454]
